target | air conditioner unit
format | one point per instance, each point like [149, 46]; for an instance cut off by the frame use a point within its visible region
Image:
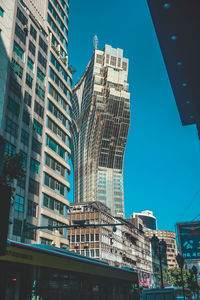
[58, 48]
[25, 29]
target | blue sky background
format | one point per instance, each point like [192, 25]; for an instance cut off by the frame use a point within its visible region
[162, 158]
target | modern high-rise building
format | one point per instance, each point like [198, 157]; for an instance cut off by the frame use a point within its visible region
[149, 220]
[100, 125]
[35, 96]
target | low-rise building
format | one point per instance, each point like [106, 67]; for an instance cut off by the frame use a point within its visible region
[122, 245]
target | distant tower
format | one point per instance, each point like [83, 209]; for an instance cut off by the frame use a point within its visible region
[95, 42]
[100, 125]
[149, 220]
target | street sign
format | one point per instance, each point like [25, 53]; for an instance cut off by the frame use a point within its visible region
[189, 239]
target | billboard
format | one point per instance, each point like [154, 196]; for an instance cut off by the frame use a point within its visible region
[189, 239]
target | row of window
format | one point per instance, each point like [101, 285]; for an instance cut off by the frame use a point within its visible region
[56, 148]
[54, 184]
[57, 5]
[89, 252]
[58, 82]
[46, 221]
[57, 31]
[53, 204]
[59, 68]
[60, 117]
[56, 129]
[84, 238]
[20, 33]
[54, 165]
[57, 18]
[55, 94]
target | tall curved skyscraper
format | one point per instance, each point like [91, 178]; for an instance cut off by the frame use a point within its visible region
[100, 125]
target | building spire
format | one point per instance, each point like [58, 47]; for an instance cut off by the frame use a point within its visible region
[95, 42]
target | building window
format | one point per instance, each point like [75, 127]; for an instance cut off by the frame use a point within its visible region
[1, 12]
[13, 106]
[21, 17]
[33, 186]
[32, 48]
[15, 87]
[34, 166]
[30, 64]
[18, 50]
[53, 204]
[40, 92]
[124, 66]
[29, 80]
[27, 99]
[99, 59]
[37, 127]
[19, 203]
[40, 75]
[32, 209]
[42, 60]
[39, 109]
[21, 182]
[36, 146]
[24, 158]
[9, 149]
[20, 34]
[26, 117]
[30, 234]
[17, 227]
[44, 241]
[33, 32]
[11, 127]
[43, 45]
[24, 137]
[17, 69]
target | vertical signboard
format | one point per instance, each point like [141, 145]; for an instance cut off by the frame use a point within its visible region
[189, 239]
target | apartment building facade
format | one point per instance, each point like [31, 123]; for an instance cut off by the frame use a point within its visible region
[124, 246]
[100, 125]
[34, 113]
[170, 238]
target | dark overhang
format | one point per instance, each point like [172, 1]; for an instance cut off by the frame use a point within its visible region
[177, 25]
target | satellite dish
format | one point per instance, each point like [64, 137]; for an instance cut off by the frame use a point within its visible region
[95, 42]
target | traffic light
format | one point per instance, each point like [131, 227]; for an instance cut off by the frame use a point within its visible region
[5, 197]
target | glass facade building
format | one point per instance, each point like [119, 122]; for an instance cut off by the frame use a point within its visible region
[34, 113]
[100, 125]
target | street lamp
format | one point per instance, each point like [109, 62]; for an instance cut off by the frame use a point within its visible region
[159, 248]
[180, 261]
[195, 271]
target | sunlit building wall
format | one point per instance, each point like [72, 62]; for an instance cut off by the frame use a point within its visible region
[100, 125]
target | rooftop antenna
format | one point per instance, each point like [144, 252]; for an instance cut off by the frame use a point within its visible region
[95, 42]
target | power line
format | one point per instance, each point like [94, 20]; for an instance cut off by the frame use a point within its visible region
[189, 205]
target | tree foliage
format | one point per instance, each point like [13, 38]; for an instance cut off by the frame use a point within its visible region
[173, 277]
[12, 168]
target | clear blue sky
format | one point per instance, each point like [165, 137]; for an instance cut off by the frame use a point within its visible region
[162, 158]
